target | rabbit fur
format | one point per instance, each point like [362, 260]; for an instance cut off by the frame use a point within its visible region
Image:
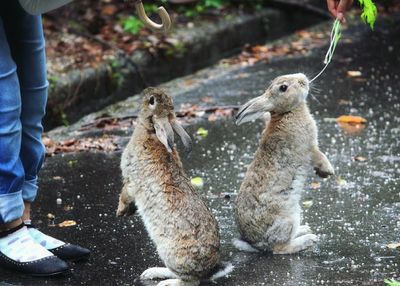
[267, 208]
[180, 224]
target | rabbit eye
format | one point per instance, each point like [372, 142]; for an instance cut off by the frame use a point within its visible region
[283, 88]
[152, 100]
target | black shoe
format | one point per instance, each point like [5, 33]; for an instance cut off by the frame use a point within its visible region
[48, 266]
[68, 251]
[71, 252]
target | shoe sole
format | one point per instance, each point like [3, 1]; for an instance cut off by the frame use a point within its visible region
[54, 274]
[82, 258]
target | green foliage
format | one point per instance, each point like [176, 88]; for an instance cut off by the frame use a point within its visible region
[116, 77]
[203, 6]
[178, 49]
[217, 4]
[150, 8]
[132, 24]
[53, 80]
[392, 282]
[369, 12]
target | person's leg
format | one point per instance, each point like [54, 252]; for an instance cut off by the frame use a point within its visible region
[11, 169]
[18, 250]
[28, 49]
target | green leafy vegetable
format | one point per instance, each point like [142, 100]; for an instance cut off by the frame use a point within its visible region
[369, 12]
[336, 34]
[392, 282]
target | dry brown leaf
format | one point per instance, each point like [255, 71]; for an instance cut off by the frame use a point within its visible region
[344, 102]
[351, 124]
[354, 73]
[51, 216]
[109, 10]
[207, 99]
[351, 129]
[212, 117]
[67, 223]
[393, 245]
[351, 119]
[315, 185]
[360, 158]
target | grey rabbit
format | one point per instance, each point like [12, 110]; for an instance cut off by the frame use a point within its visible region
[267, 209]
[180, 224]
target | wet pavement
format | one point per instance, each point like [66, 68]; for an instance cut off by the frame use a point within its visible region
[356, 213]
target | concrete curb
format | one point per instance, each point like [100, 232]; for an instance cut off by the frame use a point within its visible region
[80, 92]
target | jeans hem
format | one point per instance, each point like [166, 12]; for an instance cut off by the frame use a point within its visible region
[11, 207]
[29, 190]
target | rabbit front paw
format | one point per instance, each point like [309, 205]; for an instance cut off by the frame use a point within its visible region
[126, 209]
[324, 169]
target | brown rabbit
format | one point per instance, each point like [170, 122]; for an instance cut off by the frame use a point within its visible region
[268, 212]
[178, 221]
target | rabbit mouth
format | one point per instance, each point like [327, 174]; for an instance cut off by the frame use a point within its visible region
[253, 109]
[248, 116]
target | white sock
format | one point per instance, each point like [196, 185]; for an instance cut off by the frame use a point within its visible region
[44, 240]
[20, 246]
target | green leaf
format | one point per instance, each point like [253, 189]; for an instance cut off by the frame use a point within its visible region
[369, 12]
[197, 182]
[132, 25]
[202, 132]
[392, 282]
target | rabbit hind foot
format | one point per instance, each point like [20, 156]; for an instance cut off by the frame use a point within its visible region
[158, 273]
[295, 245]
[243, 245]
[178, 282]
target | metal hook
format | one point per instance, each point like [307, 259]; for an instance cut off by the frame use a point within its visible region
[165, 19]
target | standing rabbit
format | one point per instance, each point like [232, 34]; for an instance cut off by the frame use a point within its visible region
[178, 221]
[268, 212]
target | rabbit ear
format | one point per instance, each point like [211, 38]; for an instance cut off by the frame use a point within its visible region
[186, 140]
[164, 132]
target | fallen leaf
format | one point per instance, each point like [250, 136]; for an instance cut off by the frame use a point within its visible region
[354, 73]
[393, 245]
[212, 117]
[207, 99]
[315, 185]
[242, 75]
[360, 158]
[51, 216]
[351, 124]
[202, 132]
[68, 208]
[308, 203]
[67, 223]
[72, 163]
[344, 102]
[197, 182]
[351, 119]
[340, 181]
[352, 129]
[109, 10]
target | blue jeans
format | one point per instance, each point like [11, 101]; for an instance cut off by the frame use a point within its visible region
[23, 97]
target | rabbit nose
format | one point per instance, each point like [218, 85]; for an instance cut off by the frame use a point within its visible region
[302, 82]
